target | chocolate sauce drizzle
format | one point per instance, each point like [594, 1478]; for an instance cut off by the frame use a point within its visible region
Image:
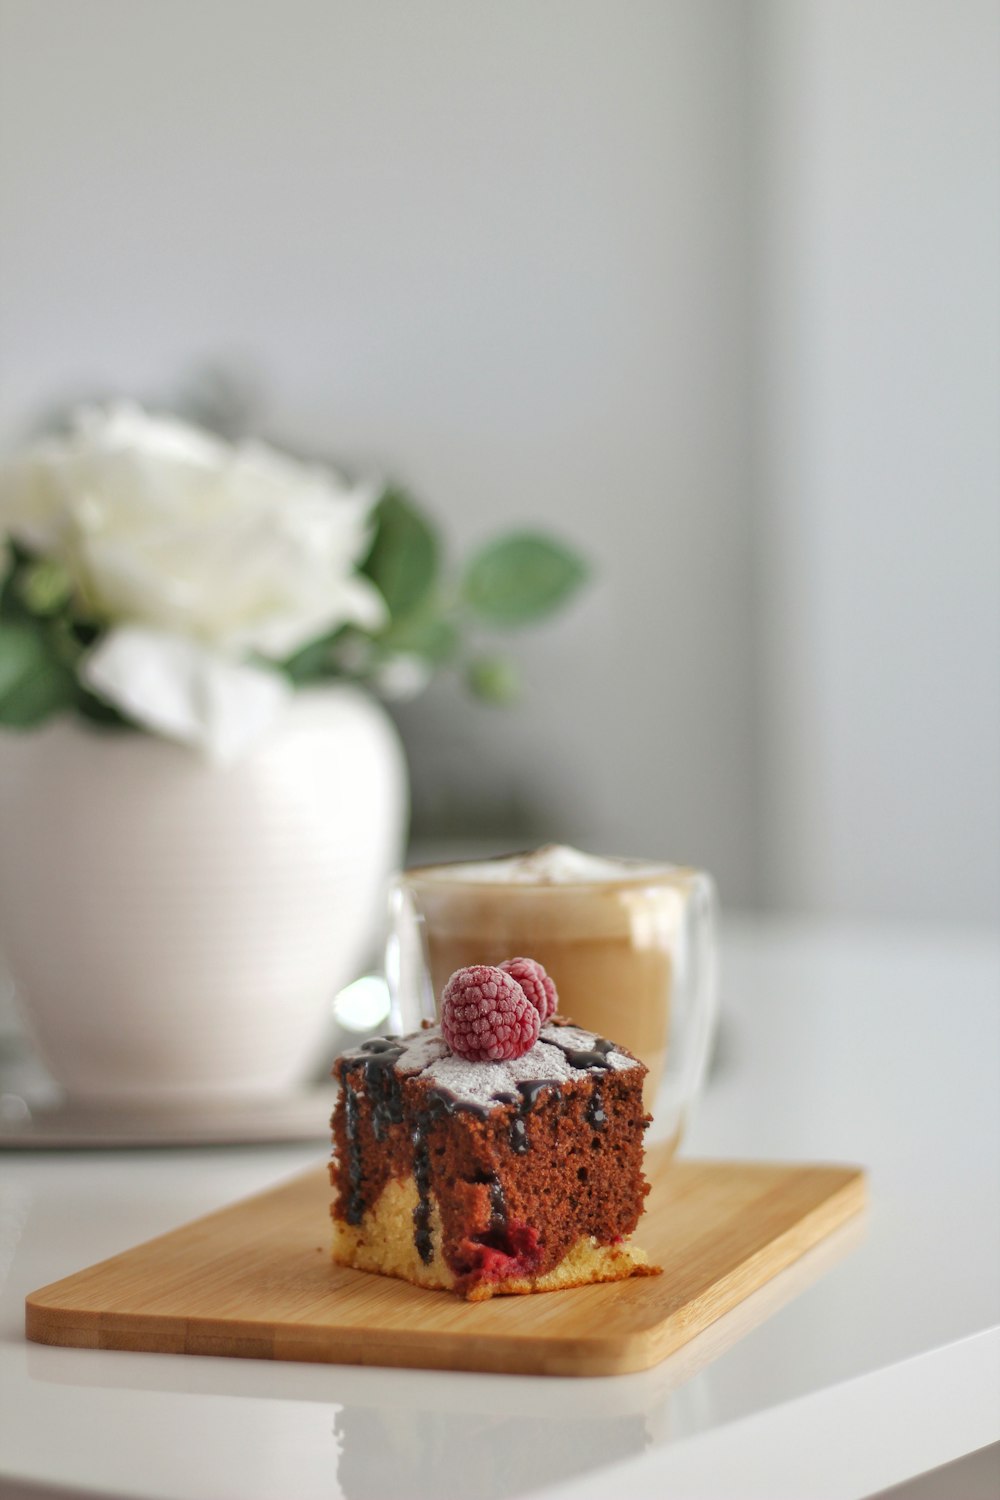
[422, 1213]
[595, 1110]
[378, 1068]
[586, 1057]
[529, 1090]
[355, 1198]
[442, 1100]
[378, 1077]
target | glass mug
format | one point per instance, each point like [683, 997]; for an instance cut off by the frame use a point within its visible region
[631, 947]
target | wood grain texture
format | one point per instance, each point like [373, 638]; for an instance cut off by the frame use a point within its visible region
[255, 1280]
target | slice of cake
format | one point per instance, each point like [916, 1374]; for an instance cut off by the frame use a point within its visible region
[499, 1152]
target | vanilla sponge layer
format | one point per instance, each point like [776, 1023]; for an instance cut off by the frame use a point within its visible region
[383, 1242]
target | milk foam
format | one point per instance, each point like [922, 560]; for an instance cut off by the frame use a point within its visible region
[553, 864]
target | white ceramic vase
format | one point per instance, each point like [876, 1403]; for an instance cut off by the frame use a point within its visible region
[177, 931]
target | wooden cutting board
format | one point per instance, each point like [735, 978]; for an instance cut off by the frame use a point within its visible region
[256, 1280]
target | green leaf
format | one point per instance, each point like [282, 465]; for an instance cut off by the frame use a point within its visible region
[12, 606]
[33, 684]
[405, 554]
[428, 634]
[521, 578]
[493, 679]
[45, 586]
[313, 663]
[96, 711]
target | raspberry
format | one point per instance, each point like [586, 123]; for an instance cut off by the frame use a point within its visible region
[535, 983]
[486, 1016]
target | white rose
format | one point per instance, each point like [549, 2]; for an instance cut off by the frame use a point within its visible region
[175, 536]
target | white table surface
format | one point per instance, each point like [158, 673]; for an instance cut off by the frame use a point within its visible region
[875, 1358]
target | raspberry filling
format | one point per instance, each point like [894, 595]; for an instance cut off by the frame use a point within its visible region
[499, 1254]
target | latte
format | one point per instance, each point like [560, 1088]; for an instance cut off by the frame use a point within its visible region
[606, 930]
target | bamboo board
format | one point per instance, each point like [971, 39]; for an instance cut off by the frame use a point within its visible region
[255, 1280]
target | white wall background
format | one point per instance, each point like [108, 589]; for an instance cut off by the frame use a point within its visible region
[710, 286]
[877, 343]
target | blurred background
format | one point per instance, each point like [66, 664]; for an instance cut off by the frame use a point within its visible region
[709, 288]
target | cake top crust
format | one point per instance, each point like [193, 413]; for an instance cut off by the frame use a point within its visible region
[562, 1053]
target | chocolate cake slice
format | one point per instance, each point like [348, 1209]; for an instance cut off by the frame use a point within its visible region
[509, 1175]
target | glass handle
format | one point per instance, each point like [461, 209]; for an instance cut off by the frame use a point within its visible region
[407, 971]
[695, 1004]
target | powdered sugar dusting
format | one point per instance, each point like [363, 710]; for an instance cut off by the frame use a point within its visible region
[579, 1040]
[486, 1083]
[422, 1051]
[481, 1082]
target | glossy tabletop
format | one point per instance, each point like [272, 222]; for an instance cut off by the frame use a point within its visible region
[875, 1357]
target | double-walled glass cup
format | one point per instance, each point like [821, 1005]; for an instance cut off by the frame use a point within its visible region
[630, 946]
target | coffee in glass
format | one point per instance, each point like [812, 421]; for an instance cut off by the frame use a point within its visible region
[629, 944]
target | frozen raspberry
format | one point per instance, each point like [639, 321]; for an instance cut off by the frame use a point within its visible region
[535, 983]
[486, 1016]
